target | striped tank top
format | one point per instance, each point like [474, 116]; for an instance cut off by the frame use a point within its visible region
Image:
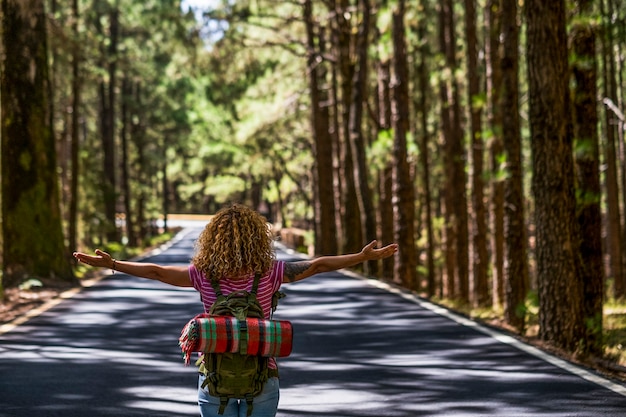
[268, 285]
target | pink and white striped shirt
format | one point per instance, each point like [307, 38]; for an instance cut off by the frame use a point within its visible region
[268, 285]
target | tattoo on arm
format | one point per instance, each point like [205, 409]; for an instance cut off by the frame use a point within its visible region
[293, 269]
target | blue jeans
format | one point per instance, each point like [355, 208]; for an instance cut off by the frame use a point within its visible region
[264, 405]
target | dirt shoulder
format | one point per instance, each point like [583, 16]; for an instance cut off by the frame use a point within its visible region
[20, 302]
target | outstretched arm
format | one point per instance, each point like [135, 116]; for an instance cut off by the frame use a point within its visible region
[173, 275]
[296, 271]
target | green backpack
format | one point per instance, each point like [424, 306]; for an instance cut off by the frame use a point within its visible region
[234, 375]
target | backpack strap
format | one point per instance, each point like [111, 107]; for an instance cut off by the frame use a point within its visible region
[275, 298]
[255, 284]
[216, 287]
[223, 404]
[215, 283]
[249, 400]
[255, 287]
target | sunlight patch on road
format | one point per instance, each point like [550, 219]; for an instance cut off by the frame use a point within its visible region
[318, 366]
[36, 353]
[181, 401]
[309, 398]
[500, 337]
[468, 409]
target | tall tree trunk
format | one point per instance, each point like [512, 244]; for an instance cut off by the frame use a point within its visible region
[404, 194]
[614, 222]
[422, 110]
[584, 69]
[449, 287]
[137, 136]
[457, 257]
[357, 140]
[346, 69]
[33, 244]
[481, 259]
[460, 177]
[75, 142]
[617, 59]
[56, 91]
[106, 97]
[516, 275]
[386, 174]
[335, 129]
[325, 241]
[110, 165]
[166, 192]
[494, 118]
[617, 32]
[558, 265]
[126, 117]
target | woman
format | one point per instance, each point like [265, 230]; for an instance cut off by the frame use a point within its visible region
[234, 246]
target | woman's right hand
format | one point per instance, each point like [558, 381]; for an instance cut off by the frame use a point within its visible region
[101, 259]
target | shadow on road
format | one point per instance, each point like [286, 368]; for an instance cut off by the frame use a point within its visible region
[101, 355]
[112, 350]
[358, 351]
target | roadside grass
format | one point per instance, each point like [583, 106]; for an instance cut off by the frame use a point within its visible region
[615, 331]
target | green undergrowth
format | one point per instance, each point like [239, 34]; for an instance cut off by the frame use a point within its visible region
[614, 327]
[121, 251]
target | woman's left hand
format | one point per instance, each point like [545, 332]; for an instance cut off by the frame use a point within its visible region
[371, 252]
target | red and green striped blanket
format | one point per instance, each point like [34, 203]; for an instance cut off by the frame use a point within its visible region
[221, 334]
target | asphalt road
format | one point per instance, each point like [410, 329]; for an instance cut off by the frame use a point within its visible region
[360, 349]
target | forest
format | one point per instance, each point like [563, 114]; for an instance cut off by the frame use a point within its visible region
[486, 137]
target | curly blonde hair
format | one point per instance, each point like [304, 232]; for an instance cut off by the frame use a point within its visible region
[236, 242]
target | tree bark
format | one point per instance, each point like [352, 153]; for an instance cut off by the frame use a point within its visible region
[126, 117]
[386, 174]
[455, 200]
[449, 286]
[494, 118]
[325, 242]
[422, 110]
[357, 140]
[614, 222]
[110, 164]
[560, 287]
[106, 97]
[346, 69]
[585, 113]
[335, 131]
[75, 142]
[516, 274]
[404, 215]
[138, 139]
[33, 244]
[479, 238]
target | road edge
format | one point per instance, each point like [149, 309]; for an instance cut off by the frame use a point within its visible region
[99, 276]
[501, 337]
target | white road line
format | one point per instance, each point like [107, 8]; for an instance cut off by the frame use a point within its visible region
[500, 337]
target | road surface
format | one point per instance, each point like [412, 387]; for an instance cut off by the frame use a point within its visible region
[360, 349]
